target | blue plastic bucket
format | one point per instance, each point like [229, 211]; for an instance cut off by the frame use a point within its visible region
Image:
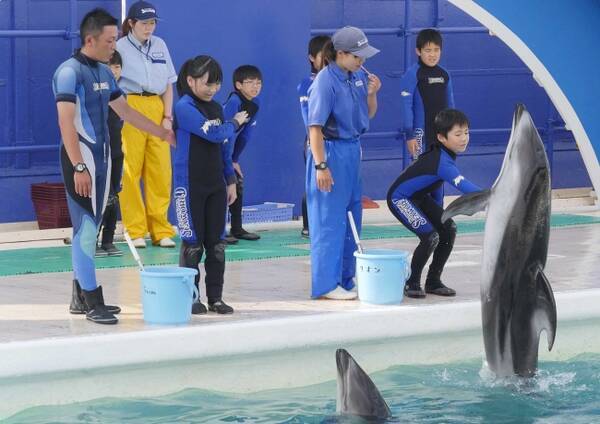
[381, 275]
[168, 294]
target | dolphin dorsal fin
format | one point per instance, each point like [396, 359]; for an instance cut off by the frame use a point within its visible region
[545, 314]
[356, 392]
[467, 204]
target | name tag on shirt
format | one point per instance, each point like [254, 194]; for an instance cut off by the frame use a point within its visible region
[359, 83]
[99, 86]
[438, 80]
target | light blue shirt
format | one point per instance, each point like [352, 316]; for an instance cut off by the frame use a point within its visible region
[146, 67]
[337, 101]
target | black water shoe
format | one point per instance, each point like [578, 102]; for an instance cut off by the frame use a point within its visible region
[438, 288]
[220, 307]
[414, 290]
[198, 308]
[245, 235]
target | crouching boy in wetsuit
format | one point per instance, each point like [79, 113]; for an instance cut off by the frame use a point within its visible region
[409, 198]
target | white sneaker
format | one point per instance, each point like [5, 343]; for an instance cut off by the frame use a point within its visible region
[139, 243]
[166, 242]
[340, 293]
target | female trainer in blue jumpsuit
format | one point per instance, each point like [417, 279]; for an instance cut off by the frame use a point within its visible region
[341, 100]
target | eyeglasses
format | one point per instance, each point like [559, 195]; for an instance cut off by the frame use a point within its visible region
[253, 83]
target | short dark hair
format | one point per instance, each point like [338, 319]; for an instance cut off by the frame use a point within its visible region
[197, 68]
[93, 23]
[245, 72]
[447, 119]
[116, 59]
[427, 36]
[315, 46]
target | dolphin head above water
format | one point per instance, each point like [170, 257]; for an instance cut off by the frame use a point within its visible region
[356, 392]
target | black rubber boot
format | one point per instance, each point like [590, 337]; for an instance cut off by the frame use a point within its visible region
[97, 311]
[189, 257]
[78, 306]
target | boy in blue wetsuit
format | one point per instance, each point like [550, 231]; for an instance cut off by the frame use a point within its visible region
[425, 90]
[203, 175]
[409, 199]
[341, 100]
[247, 82]
[315, 58]
[84, 88]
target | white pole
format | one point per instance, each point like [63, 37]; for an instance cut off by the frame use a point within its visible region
[133, 250]
[354, 232]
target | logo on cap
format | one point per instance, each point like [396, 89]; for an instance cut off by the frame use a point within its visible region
[362, 42]
[148, 10]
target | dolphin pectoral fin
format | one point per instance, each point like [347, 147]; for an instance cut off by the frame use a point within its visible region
[545, 313]
[467, 204]
[356, 392]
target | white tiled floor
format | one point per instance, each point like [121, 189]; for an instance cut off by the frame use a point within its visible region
[34, 307]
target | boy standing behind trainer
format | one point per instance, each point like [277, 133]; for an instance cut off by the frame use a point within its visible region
[426, 89]
[247, 83]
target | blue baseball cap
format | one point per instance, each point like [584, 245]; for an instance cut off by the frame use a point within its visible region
[353, 40]
[142, 11]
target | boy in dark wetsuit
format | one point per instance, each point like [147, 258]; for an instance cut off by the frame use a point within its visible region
[203, 174]
[425, 90]
[247, 84]
[409, 199]
[109, 220]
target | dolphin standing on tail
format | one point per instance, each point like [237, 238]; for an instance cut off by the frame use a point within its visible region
[356, 392]
[517, 302]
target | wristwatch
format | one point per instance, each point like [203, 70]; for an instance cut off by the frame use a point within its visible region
[321, 166]
[80, 167]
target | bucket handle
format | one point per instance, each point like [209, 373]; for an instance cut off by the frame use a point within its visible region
[194, 293]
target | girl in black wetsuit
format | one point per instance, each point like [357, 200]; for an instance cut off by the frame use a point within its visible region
[203, 175]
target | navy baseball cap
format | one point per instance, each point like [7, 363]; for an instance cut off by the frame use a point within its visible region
[142, 11]
[353, 40]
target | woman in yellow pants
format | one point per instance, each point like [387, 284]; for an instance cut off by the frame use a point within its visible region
[147, 78]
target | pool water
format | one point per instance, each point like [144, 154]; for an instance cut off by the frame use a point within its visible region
[563, 391]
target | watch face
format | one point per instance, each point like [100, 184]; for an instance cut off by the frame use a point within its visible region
[80, 167]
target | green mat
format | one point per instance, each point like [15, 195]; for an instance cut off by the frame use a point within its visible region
[273, 244]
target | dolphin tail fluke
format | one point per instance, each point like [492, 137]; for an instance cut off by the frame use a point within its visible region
[356, 392]
[467, 205]
[545, 308]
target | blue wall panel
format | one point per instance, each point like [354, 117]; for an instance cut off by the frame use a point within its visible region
[271, 35]
[488, 80]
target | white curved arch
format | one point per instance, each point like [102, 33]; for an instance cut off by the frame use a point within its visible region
[544, 78]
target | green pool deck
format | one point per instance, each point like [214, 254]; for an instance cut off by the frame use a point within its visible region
[274, 243]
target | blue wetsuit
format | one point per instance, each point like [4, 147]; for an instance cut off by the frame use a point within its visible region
[234, 104]
[201, 169]
[90, 85]
[425, 91]
[338, 103]
[409, 199]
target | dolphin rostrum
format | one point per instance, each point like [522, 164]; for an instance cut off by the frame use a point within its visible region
[517, 302]
[356, 392]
